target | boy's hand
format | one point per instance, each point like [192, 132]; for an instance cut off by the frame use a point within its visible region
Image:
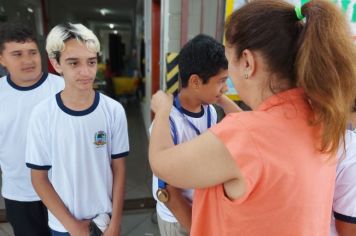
[81, 228]
[228, 105]
[222, 100]
[161, 102]
[112, 231]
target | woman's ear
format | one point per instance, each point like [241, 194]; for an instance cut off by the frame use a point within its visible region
[248, 62]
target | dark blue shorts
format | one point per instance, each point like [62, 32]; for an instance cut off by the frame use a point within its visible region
[55, 233]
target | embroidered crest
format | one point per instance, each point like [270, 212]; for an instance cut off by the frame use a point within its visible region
[100, 138]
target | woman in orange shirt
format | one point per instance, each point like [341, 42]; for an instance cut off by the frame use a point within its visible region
[269, 171]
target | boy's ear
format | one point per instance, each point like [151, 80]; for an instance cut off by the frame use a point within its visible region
[56, 65]
[2, 60]
[194, 81]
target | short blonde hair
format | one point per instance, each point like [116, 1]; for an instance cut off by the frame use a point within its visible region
[55, 42]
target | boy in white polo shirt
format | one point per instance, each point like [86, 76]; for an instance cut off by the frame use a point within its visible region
[343, 221]
[23, 88]
[203, 75]
[81, 136]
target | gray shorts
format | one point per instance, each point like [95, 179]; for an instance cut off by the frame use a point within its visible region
[170, 229]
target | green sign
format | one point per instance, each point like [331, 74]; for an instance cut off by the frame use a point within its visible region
[347, 6]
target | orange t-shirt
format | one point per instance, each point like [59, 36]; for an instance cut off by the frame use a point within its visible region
[290, 183]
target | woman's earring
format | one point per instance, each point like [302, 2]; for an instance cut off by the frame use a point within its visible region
[246, 75]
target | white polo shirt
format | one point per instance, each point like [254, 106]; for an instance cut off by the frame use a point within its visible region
[344, 203]
[184, 132]
[16, 105]
[78, 148]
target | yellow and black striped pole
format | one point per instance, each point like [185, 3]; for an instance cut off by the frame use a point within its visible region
[172, 77]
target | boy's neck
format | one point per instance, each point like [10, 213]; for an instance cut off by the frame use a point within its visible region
[26, 83]
[77, 100]
[188, 102]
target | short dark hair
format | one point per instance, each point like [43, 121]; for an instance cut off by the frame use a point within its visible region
[203, 56]
[14, 32]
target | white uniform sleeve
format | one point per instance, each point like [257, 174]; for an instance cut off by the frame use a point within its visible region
[119, 138]
[344, 204]
[37, 154]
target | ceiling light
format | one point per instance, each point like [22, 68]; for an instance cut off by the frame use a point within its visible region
[115, 32]
[104, 11]
[29, 9]
[111, 26]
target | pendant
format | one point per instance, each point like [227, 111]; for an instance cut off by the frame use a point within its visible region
[162, 195]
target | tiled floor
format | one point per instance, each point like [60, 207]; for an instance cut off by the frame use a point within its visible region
[138, 180]
[6, 230]
[140, 223]
[139, 175]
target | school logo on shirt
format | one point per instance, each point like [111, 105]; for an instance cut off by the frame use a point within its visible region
[100, 138]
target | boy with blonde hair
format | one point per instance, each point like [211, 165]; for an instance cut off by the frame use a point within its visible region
[81, 136]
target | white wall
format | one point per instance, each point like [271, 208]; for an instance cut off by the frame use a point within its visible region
[170, 33]
[173, 25]
[202, 17]
[210, 17]
[194, 16]
[146, 103]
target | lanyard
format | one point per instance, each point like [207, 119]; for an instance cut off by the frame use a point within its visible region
[349, 126]
[180, 109]
[161, 183]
